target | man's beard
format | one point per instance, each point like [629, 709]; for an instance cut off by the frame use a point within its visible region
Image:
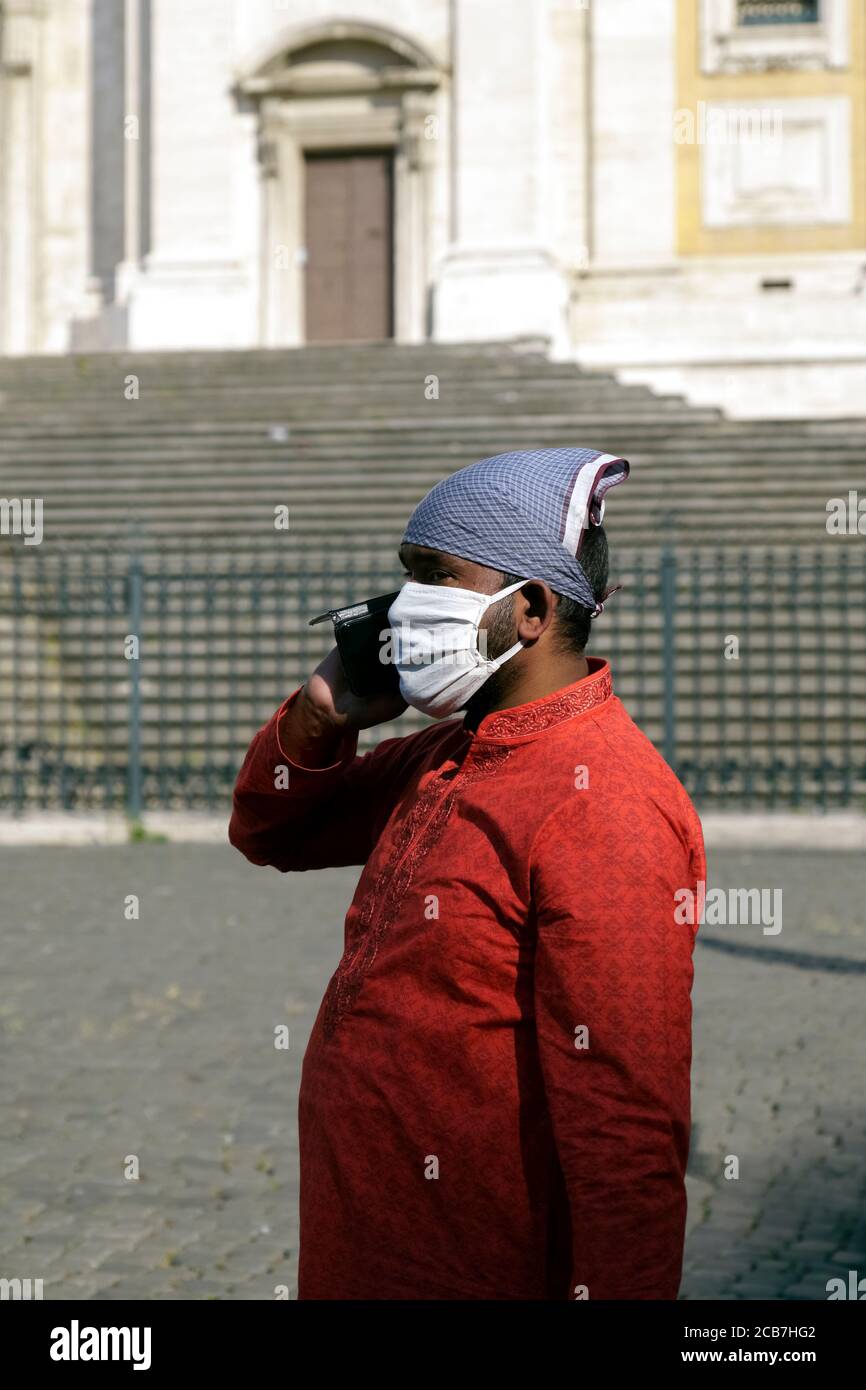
[501, 634]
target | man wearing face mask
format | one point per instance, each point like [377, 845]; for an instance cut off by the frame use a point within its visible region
[495, 1097]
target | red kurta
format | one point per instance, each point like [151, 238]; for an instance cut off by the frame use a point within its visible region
[495, 1098]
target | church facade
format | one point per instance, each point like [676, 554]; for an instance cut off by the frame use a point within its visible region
[672, 189]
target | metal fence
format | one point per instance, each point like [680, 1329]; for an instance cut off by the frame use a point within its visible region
[137, 682]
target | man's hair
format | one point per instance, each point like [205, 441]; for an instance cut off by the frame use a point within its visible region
[572, 620]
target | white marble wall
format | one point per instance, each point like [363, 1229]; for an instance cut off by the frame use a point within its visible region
[44, 173]
[713, 328]
[200, 284]
[544, 206]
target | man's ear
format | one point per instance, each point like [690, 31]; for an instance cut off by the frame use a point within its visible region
[539, 607]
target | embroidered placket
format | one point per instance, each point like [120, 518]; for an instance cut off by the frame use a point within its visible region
[420, 831]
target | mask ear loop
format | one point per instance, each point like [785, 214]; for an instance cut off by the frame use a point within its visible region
[510, 589]
[519, 645]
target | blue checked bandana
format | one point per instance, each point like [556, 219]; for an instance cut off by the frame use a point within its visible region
[523, 513]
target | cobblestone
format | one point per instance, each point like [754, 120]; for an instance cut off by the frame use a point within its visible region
[154, 1038]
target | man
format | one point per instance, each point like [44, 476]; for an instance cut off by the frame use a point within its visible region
[495, 1098]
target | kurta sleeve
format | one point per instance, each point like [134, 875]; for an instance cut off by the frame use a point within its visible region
[297, 818]
[612, 998]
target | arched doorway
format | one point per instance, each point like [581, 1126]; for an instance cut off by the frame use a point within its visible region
[345, 114]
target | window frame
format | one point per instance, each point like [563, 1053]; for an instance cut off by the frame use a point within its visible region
[727, 46]
[756, 23]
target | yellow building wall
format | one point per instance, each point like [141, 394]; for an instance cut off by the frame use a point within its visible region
[694, 86]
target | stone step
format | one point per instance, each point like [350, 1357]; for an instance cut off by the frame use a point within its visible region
[362, 416]
[390, 458]
[262, 444]
[236, 474]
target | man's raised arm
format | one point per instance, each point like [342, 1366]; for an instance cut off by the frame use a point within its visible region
[303, 798]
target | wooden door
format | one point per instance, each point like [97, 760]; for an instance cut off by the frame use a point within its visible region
[349, 243]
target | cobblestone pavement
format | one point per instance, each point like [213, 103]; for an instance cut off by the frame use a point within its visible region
[154, 1038]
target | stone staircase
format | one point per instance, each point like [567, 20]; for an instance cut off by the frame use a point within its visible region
[347, 438]
[182, 459]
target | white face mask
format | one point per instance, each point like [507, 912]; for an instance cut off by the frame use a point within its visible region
[434, 645]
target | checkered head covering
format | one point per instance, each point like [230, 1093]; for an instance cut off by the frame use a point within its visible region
[523, 512]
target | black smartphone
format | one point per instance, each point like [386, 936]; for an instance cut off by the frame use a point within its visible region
[357, 630]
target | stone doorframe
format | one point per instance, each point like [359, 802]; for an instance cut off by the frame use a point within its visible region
[387, 106]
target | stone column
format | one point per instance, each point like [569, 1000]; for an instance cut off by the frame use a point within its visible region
[413, 213]
[19, 177]
[197, 285]
[45, 211]
[107, 145]
[625, 301]
[633, 150]
[501, 276]
[128, 269]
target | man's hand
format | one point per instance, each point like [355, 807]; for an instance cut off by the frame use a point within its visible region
[326, 710]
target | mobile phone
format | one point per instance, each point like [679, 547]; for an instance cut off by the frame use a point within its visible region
[357, 631]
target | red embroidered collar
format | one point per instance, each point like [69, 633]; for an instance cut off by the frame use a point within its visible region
[577, 698]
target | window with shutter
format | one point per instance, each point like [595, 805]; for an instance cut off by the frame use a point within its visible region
[777, 12]
[775, 35]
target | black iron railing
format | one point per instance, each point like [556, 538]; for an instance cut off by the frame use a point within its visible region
[137, 682]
